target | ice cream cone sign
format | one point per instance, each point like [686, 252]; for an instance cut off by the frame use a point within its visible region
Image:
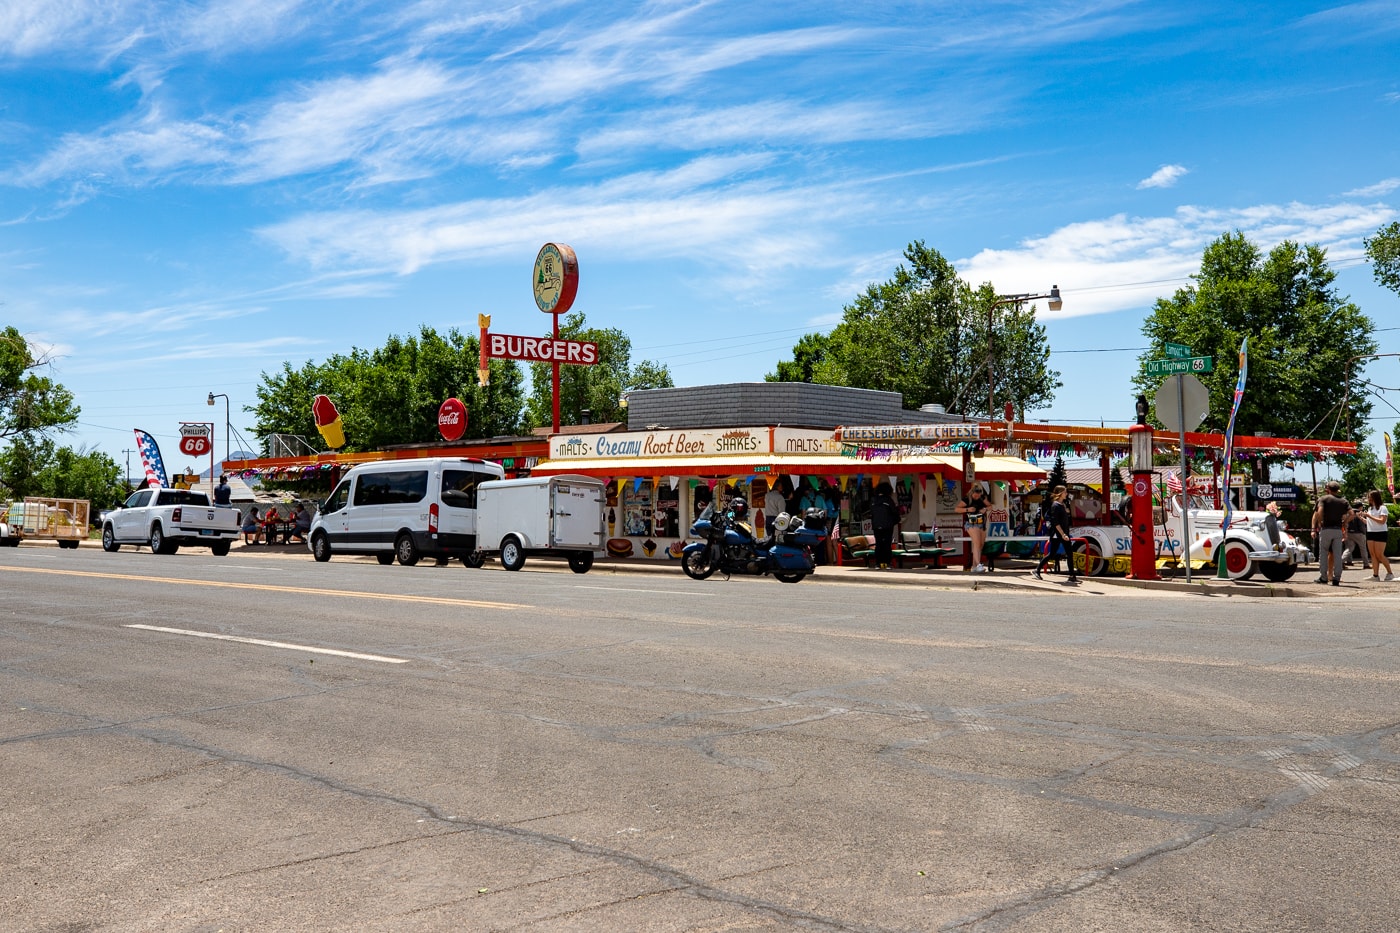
[328, 421]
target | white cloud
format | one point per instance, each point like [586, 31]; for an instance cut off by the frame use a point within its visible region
[1164, 177]
[1379, 189]
[703, 209]
[33, 27]
[1120, 263]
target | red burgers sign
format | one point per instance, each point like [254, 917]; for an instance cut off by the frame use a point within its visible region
[452, 419]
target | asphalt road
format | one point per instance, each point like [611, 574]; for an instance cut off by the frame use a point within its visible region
[546, 751]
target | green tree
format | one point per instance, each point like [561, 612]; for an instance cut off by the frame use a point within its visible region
[1058, 476]
[598, 388]
[1303, 339]
[391, 394]
[34, 466]
[1361, 472]
[807, 355]
[30, 404]
[1384, 250]
[928, 335]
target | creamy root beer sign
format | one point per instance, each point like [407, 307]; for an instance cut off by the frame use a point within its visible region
[659, 444]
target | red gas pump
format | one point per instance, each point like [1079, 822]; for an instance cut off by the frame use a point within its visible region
[1144, 553]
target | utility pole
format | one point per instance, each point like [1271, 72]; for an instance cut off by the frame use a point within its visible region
[128, 453]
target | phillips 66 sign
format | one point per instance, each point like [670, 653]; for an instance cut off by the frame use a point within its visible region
[196, 439]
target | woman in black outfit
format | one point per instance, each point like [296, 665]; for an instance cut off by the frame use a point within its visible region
[1059, 536]
[884, 516]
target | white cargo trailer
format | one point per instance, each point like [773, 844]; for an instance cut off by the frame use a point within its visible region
[543, 516]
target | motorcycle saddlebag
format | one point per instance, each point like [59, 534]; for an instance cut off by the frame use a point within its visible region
[790, 558]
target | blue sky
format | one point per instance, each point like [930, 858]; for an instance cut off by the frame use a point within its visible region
[192, 193]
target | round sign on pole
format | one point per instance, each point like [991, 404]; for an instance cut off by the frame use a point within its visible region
[555, 278]
[452, 419]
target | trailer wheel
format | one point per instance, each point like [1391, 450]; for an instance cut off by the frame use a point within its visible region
[109, 540]
[581, 562]
[512, 554]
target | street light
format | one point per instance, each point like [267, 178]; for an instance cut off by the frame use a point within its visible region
[228, 451]
[1054, 304]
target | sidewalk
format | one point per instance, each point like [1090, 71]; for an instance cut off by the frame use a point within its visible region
[1356, 582]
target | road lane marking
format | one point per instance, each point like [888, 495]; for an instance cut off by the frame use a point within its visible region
[280, 587]
[269, 644]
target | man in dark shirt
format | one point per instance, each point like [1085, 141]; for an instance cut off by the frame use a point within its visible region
[1333, 513]
[223, 495]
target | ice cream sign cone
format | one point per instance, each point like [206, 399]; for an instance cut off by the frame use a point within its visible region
[328, 421]
[483, 370]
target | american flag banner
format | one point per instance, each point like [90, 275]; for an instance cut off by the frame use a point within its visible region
[1230, 430]
[1174, 481]
[150, 458]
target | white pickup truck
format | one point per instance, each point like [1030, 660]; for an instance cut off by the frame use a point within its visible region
[165, 519]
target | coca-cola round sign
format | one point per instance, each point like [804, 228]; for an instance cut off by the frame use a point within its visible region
[452, 419]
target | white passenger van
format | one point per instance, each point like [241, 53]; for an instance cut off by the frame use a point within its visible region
[404, 508]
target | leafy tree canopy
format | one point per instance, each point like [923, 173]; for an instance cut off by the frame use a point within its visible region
[35, 466]
[1303, 339]
[1384, 250]
[390, 395]
[598, 388]
[928, 335]
[30, 404]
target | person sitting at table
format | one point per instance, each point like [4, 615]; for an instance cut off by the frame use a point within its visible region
[271, 520]
[301, 524]
[250, 526]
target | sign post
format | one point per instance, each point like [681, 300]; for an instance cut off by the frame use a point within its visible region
[555, 286]
[1182, 403]
[196, 440]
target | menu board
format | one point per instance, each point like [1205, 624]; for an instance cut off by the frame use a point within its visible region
[637, 509]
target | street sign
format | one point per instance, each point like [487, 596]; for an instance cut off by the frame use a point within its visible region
[1178, 351]
[1193, 364]
[1287, 492]
[1170, 400]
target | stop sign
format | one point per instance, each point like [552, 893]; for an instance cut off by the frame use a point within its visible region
[452, 419]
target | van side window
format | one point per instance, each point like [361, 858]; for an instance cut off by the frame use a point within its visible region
[396, 488]
[337, 500]
[459, 487]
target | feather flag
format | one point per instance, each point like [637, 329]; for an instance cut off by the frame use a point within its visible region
[150, 459]
[1389, 467]
[1174, 481]
[1230, 430]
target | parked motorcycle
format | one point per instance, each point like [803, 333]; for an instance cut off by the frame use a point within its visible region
[728, 544]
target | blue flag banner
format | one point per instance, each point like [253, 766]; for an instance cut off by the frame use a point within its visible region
[150, 459]
[1230, 430]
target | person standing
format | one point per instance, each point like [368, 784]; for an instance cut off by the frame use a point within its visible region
[974, 511]
[884, 518]
[1356, 537]
[1330, 519]
[1059, 536]
[223, 495]
[1377, 534]
[774, 503]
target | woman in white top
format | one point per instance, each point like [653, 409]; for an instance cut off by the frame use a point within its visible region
[1377, 520]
